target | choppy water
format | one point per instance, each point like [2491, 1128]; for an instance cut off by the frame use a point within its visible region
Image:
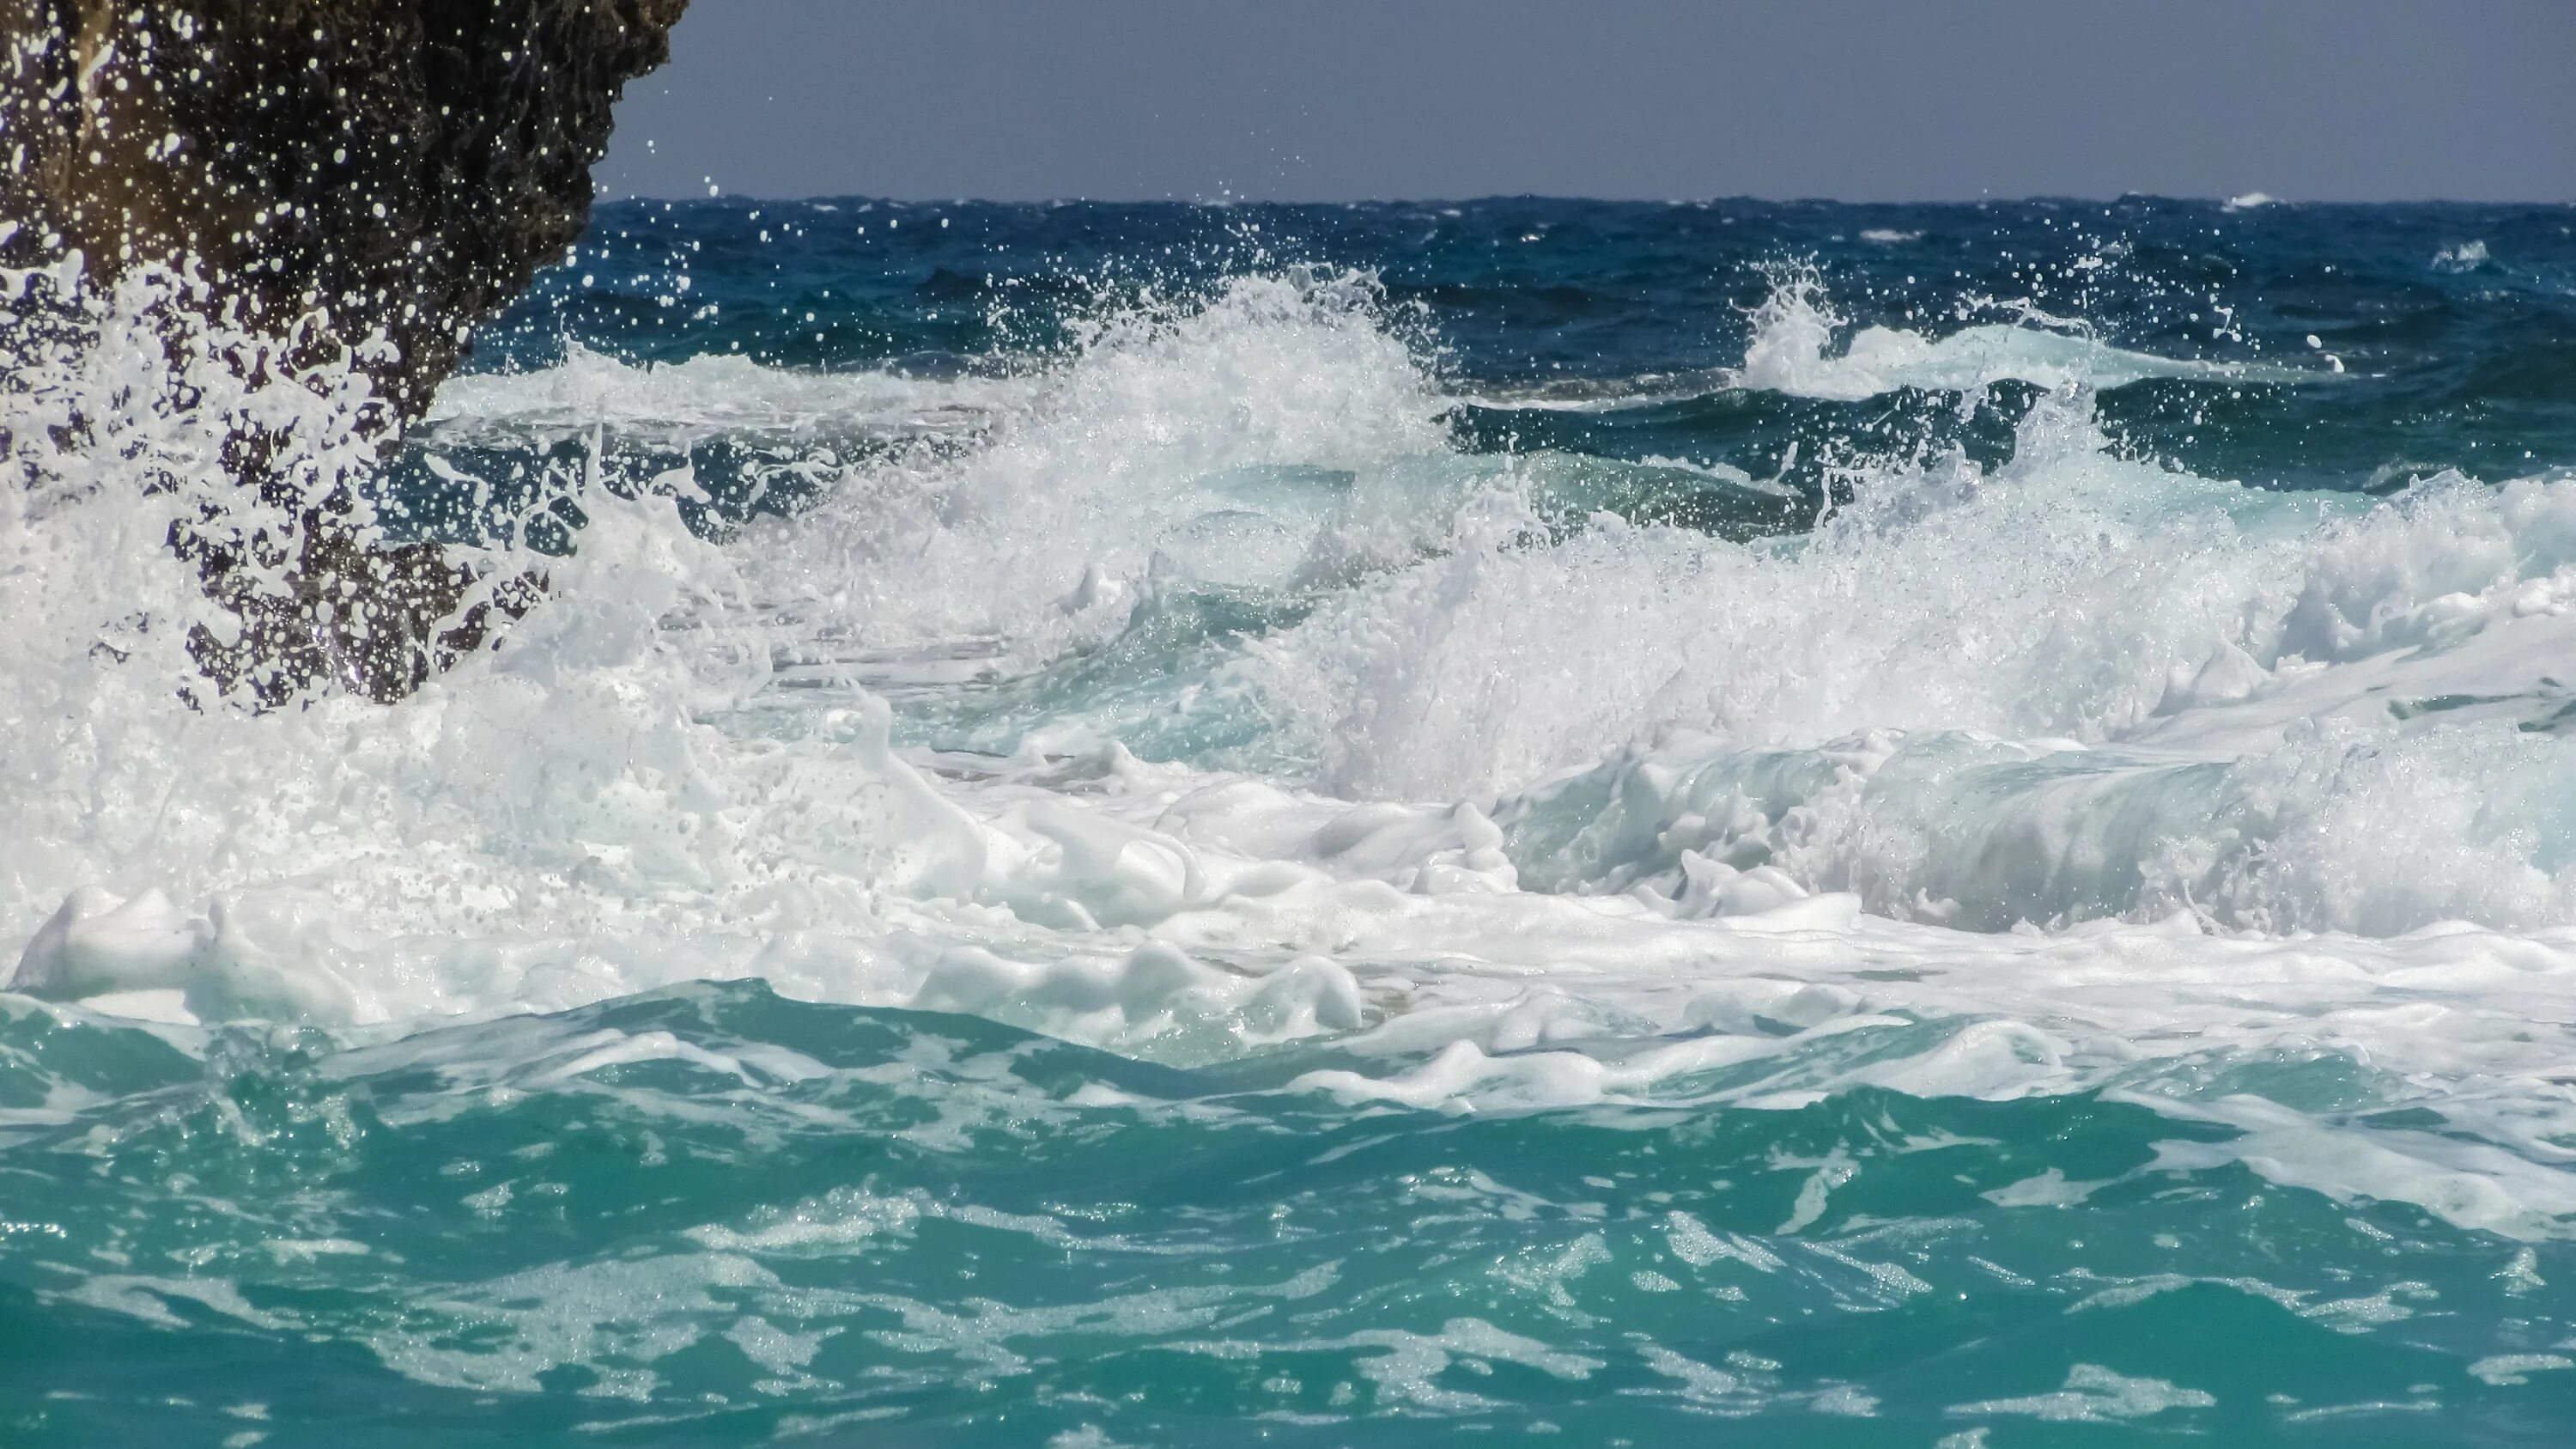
[1157, 825]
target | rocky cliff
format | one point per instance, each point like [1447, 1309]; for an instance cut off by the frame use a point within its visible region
[362, 180]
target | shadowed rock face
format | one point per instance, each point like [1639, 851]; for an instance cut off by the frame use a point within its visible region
[362, 179]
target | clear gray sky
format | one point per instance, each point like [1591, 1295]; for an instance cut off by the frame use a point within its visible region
[1853, 99]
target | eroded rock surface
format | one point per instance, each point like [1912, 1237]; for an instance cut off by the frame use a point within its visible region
[360, 180]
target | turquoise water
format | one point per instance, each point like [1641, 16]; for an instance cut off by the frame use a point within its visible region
[1163, 825]
[801, 1220]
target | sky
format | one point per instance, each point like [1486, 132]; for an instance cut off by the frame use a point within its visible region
[1861, 100]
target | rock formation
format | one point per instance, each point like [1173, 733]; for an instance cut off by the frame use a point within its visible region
[360, 180]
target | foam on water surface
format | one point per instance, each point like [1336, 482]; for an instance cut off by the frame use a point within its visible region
[1173, 886]
[1801, 346]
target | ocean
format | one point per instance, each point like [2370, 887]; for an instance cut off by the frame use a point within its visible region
[1719, 822]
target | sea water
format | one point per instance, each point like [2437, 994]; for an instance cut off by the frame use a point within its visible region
[1137, 825]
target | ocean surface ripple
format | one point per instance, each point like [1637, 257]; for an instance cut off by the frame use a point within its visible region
[1811, 824]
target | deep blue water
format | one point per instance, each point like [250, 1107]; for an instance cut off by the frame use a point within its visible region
[2450, 362]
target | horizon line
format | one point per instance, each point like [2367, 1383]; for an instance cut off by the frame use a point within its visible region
[2243, 201]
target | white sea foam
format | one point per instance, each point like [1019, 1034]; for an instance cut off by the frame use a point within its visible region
[1802, 346]
[1607, 814]
[708, 395]
[2466, 256]
[1798, 348]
